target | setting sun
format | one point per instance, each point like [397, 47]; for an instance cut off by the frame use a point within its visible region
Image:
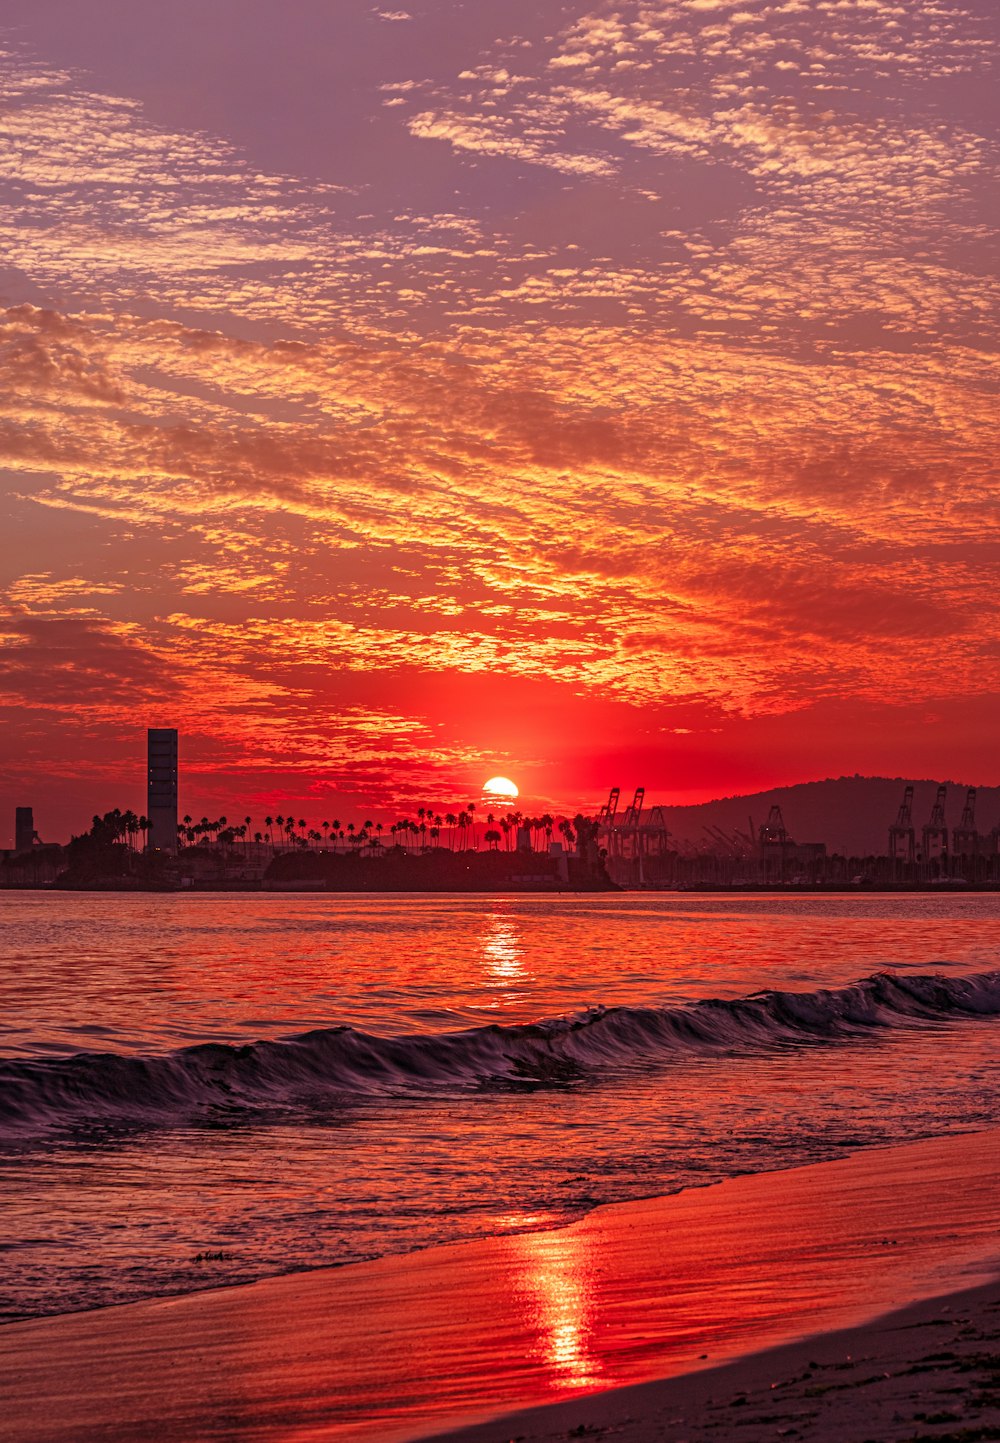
[500, 789]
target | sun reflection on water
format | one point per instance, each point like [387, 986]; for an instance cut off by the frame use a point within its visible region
[556, 1275]
[503, 956]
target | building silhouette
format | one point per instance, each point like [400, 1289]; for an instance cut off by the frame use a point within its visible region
[24, 829]
[161, 788]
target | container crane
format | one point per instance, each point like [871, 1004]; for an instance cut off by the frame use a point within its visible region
[935, 834]
[901, 834]
[606, 816]
[965, 838]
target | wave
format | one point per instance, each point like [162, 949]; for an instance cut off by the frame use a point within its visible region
[314, 1070]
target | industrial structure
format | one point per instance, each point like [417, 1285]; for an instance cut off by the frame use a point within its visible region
[967, 857]
[637, 845]
[161, 788]
[902, 838]
[935, 835]
[965, 838]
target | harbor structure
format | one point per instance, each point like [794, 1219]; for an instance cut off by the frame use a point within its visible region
[161, 788]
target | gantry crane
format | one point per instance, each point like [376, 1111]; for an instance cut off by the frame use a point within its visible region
[634, 810]
[935, 834]
[901, 834]
[965, 838]
[606, 816]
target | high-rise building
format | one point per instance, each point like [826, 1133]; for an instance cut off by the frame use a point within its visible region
[24, 829]
[161, 789]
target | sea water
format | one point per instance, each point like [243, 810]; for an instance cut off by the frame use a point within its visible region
[198, 1090]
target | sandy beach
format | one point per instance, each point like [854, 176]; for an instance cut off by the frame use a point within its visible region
[413, 1345]
[927, 1372]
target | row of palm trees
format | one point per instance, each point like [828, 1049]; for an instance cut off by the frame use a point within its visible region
[118, 827]
[456, 831]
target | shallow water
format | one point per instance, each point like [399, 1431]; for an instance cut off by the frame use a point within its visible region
[442, 1113]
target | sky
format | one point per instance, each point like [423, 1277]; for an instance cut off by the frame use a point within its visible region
[595, 394]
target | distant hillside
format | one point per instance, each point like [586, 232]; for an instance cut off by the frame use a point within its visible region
[851, 814]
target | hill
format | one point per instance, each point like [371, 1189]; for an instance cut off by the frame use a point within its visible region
[852, 815]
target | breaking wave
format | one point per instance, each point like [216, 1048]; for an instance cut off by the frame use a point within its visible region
[315, 1070]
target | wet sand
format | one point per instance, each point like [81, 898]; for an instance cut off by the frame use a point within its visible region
[409, 1346]
[929, 1373]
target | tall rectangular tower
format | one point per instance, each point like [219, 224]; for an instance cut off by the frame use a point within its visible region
[24, 829]
[161, 788]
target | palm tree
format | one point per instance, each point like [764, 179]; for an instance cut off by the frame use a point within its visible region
[269, 824]
[492, 838]
[452, 821]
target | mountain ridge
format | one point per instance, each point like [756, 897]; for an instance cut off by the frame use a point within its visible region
[851, 814]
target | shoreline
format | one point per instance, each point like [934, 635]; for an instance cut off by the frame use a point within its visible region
[842, 1386]
[408, 1345]
[550, 1226]
[946, 888]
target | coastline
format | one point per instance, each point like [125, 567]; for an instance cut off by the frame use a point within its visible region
[256, 888]
[407, 1346]
[925, 1373]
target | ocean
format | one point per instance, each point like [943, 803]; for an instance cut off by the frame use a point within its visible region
[205, 1090]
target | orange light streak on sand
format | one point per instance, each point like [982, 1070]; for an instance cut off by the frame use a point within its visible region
[556, 1289]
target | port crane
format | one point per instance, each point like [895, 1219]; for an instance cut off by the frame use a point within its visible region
[965, 838]
[901, 833]
[935, 834]
[606, 816]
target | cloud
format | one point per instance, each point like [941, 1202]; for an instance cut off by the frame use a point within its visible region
[663, 368]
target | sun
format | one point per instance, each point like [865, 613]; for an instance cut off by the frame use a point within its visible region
[499, 789]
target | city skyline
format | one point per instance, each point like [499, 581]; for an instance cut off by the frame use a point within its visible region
[584, 394]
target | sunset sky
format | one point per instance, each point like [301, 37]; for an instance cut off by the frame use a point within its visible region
[589, 393]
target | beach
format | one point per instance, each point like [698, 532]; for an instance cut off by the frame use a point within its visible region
[929, 1373]
[666, 1288]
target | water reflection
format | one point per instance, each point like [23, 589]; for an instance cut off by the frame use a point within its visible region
[503, 956]
[556, 1273]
